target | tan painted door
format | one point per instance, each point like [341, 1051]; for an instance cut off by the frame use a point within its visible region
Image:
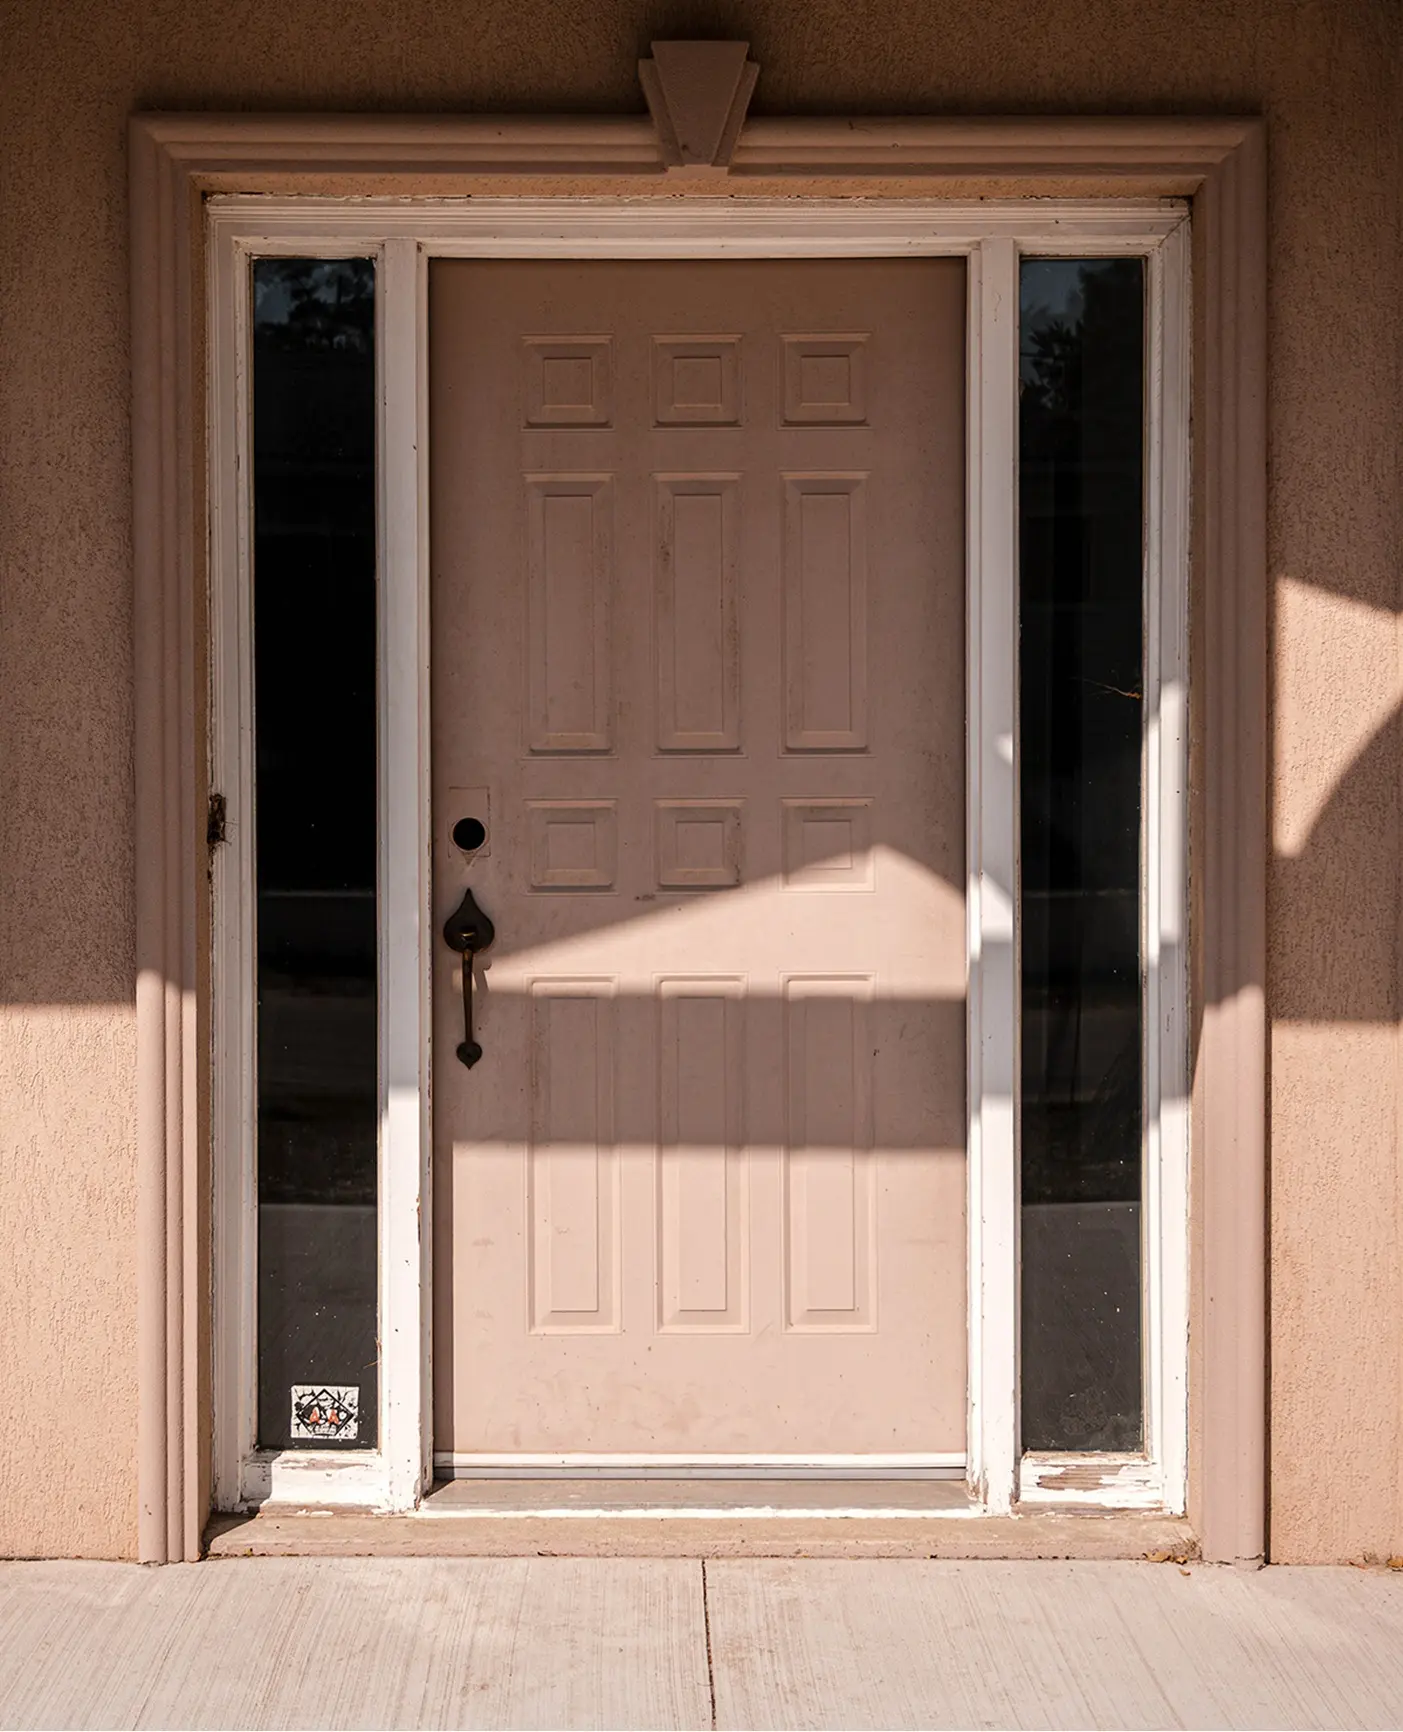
[698, 665]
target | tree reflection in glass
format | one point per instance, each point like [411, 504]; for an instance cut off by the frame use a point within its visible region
[315, 816]
[1081, 651]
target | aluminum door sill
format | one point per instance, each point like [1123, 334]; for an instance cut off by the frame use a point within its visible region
[740, 1497]
[909, 1466]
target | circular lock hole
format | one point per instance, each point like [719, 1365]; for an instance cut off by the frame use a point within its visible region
[469, 834]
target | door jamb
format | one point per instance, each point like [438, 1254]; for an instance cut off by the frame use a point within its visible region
[990, 240]
[174, 161]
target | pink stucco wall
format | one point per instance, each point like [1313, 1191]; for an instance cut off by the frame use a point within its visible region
[1327, 77]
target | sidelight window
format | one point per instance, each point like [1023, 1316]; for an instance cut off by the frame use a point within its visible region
[1081, 724]
[314, 668]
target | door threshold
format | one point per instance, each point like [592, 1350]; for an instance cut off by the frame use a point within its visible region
[720, 1499]
[930, 1519]
[522, 1466]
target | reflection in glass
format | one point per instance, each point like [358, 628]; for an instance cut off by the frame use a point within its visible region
[1081, 657]
[315, 812]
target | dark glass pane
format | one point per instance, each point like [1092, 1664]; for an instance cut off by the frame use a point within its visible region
[315, 811]
[1081, 656]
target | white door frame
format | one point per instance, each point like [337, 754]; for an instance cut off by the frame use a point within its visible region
[992, 235]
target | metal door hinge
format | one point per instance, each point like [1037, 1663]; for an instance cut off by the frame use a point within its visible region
[215, 823]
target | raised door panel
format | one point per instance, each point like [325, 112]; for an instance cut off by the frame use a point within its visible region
[825, 613]
[573, 1161]
[698, 653]
[703, 1249]
[569, 575]
[697, 641]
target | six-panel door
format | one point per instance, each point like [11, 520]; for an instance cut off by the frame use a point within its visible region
[698, 668]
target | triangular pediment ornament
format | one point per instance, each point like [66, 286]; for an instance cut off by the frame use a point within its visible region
[698, 93]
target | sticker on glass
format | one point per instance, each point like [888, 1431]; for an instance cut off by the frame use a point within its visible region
[326, 1412]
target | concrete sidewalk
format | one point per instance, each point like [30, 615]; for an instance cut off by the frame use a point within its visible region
[556, 1642]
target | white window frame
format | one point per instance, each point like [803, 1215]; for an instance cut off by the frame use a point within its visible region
[403, 235]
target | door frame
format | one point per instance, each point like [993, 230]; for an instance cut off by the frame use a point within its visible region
[990, 240]
[190, 1115]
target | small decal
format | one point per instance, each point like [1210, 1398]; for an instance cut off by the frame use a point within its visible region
[326, 1410]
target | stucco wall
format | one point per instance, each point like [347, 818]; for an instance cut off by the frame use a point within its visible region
[1326, 75]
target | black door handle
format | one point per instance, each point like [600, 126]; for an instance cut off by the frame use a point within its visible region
[468, 930]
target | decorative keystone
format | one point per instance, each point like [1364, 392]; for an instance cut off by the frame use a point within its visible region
[698, 93]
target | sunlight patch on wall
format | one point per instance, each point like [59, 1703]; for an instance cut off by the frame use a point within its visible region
[1338, 681]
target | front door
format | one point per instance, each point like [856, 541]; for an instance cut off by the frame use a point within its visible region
[698, 692]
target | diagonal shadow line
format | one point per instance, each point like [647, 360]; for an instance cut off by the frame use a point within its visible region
[1333, 905]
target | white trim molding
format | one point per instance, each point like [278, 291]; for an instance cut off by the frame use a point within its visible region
[1164, 877]
[403, 239]
[991, 602]
[243, 185]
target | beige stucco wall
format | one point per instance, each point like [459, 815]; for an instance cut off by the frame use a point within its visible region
[1326, 75]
